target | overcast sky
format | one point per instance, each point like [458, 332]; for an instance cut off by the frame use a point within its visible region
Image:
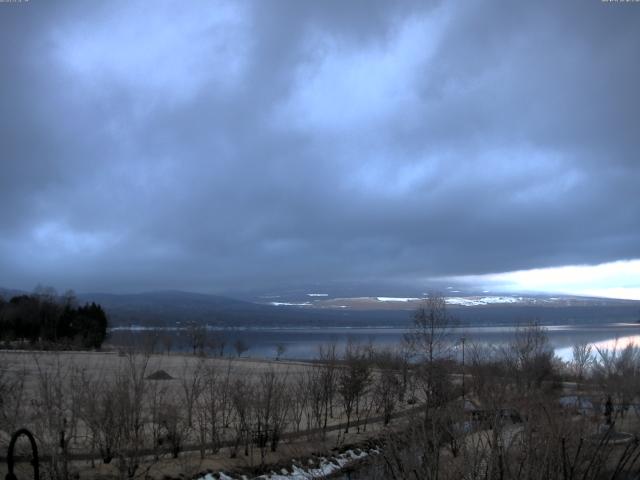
[214, 146]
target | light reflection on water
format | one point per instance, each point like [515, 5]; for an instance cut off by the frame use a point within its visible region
[616, 343]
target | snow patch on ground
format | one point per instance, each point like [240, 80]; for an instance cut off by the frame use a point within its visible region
[465, 301]
[320, 469]
[289, 304]
[397, 299]
[325, 467]
[473, 301]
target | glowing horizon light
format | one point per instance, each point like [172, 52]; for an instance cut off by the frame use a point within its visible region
[619, 279]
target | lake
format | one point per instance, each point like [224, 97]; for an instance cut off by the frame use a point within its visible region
[304, 342]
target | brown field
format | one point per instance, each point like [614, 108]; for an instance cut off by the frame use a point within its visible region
[75, 380]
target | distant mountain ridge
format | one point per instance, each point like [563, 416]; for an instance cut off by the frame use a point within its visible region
[162, 297]
[314, 310]
[171, 307]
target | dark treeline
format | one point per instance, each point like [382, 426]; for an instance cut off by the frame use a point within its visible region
[47, 320]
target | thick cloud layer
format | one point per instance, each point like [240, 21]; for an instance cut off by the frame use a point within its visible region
[217, 146]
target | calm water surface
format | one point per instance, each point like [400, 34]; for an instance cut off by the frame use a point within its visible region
[303, 343]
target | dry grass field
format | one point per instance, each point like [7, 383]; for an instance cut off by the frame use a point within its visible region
[122, 415]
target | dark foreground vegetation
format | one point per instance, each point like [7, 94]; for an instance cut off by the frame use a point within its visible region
[48, 321]
[518, 412]
[438, 408]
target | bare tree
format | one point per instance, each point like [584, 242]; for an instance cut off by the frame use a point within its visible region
[617, 370]
[429, 336]
[529, 357]
[173, 425]
[387, 385]
[269, 412]
[157, 394]
[12, 396]
[353, 380]
[150, 341]
[124, 410]
[216, 342]
[327, 381]
[197, 335]
[429, 339]
[582, 359]
[240, 347]
[300, 399]
[56, 409]
[69, 299]
[487, 374]
[240, 399]
[317, 393]
[212, 407]
[281, 348]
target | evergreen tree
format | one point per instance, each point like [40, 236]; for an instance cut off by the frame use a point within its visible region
[51, 320]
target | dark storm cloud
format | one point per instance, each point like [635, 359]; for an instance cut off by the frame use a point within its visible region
[237, 145]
